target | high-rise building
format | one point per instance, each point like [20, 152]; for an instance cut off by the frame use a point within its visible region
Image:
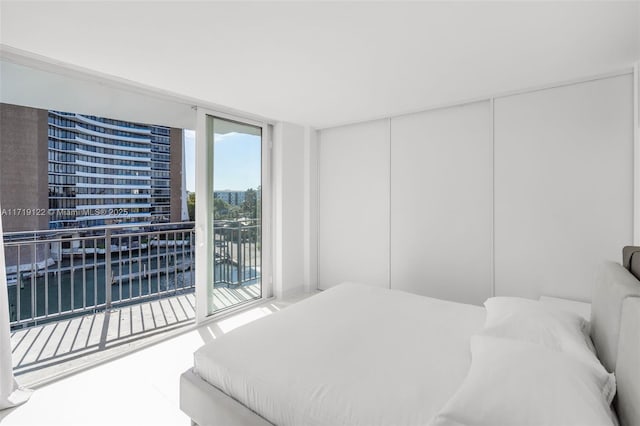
[98, 171]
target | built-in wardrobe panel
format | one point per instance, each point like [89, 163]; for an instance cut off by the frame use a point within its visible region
[353, 165]
[563, 186]
[441, 203]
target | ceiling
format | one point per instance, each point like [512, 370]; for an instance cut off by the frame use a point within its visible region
[329, 63]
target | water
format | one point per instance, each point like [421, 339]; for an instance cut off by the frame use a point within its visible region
[54, 293]
[151, 274]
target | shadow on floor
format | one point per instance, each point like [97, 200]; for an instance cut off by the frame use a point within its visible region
[43, 351]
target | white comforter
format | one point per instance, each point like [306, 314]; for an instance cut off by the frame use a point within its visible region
[351, 355]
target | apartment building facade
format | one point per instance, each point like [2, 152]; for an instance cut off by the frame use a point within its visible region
[63, 170]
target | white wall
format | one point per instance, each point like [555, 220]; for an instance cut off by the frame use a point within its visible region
[441, 203]
[292, 178]
[564, 186]
[311, 210]
[557, 203]
[354, 204]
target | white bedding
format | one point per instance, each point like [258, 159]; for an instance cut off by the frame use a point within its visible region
[353, 354]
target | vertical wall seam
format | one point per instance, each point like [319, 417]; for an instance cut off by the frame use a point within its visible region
[317, 188]
[389, 244]
[636, 154]
[493, 197]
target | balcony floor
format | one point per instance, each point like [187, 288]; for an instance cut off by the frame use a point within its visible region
[46, 351]
[139, 389]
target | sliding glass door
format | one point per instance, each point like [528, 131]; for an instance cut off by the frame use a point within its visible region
[231, 222]
[237, 213]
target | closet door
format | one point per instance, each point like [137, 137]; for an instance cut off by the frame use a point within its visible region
[353, 163]
[564, 186]
[441, 203]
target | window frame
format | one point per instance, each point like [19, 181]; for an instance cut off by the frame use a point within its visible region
[204, 214]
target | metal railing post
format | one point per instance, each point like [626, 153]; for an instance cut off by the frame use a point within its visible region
[107, 268]
[239, 256]
[34, 269]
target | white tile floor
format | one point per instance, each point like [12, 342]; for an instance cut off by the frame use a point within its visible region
[45, 351]
[140, 388]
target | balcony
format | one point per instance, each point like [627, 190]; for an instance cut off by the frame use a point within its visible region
[126, 126]
[82, 295]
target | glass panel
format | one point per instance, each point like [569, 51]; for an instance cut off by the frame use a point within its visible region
[237, 230]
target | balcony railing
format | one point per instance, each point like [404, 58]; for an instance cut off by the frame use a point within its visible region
[53, 275]
[56, 274]
[237, 252]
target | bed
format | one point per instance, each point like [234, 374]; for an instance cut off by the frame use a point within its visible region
[361, 355]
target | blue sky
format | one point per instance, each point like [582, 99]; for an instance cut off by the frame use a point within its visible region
[236, 161]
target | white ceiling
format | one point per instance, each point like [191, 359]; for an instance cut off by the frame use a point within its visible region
[328, 63]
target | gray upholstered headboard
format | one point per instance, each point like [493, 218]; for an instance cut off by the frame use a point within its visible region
[627, 403]
[631, 260]
[615, 331]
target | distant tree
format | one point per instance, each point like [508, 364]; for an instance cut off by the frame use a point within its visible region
[234, 212]
[259, 202]
[250, 205]
[191, 205]
[222, 209]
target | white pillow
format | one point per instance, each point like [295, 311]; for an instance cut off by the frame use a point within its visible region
[535, 322]
[513, 382]
[501, 309]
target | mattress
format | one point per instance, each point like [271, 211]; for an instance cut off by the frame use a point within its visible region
[353, 354]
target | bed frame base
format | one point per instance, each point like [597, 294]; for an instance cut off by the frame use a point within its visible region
[207, 405]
